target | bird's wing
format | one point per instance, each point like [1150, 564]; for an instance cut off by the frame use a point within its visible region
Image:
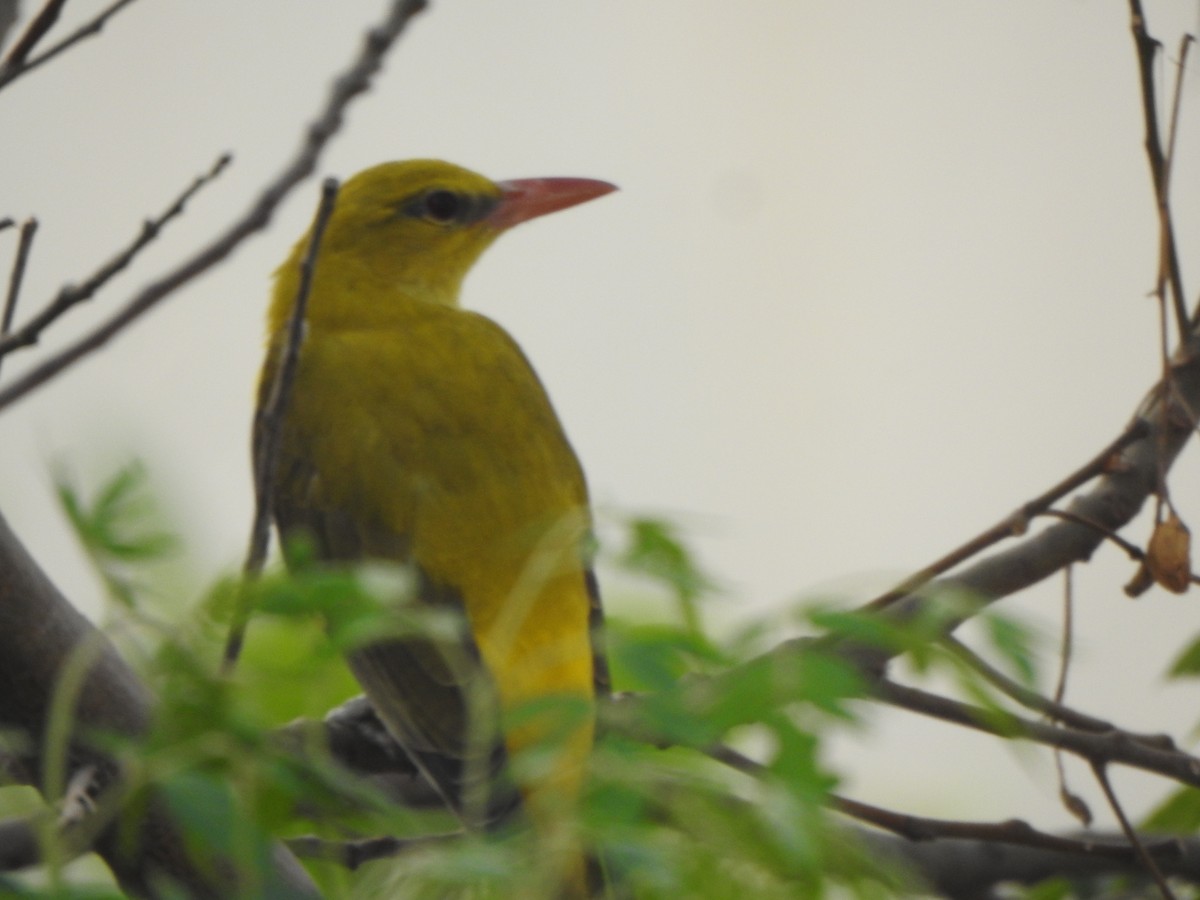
[441, 716]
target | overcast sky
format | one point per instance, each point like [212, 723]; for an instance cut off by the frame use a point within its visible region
[877, 274]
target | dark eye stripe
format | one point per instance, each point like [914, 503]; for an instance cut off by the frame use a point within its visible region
[444, 207]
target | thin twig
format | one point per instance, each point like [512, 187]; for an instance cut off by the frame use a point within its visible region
[1056, 711]
[8, 18]
[38, 28]
[355, 81]
[1074, 804]
[1169, 273]
[1015, 523]
[1101, 771]
[12, 69]
[1185, 44]
[1013, 831]
[1114, 746]
[1132, 550]
[268, 424]
[1068, 632]
[269, 417]
[28, 230]
[7, 222]
[70, 295]
[919, 828]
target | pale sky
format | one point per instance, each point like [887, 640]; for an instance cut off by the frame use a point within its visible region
[877, 274]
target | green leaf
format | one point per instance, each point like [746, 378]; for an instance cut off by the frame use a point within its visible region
[655, 550]
[205, 806]
[656, 657]
[1187, 664]
[1014, 641]
[1178, 814]
[119, 527]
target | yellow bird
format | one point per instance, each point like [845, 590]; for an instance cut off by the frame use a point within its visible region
[418, 432]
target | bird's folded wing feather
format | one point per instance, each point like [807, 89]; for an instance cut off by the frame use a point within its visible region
[432, 695]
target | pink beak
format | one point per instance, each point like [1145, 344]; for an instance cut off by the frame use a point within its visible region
[528, 198]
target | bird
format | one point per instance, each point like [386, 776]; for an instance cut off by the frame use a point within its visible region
[417, 432]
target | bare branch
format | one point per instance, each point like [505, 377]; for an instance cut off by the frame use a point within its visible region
[1185, 44]
[108, 698]
[28, 230]
[947, 853]
[71, 295]
[268, 426]
[1013, 832]
[1113, 746]
[38, 28]
[8, 18]
[1169, 273]
[971, 869]
[15, 66]
[1052, 709]
[1017, 522]
[354, 82]
[1101, 772]
[1131, 468]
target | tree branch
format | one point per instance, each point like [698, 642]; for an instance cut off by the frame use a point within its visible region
[39, 667]
[8, 18]
[71, 295]
[354, 82]
[38, 28]
[1016, 523]
[1169, 274]
[268, 427]
[16, 276]
[1052, 709]
[1111, 746]
[16, 65]
[1101, 772]
[968, 869]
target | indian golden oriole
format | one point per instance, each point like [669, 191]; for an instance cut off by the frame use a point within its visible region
[418, 432]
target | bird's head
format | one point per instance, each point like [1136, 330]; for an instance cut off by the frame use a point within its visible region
[416, 228]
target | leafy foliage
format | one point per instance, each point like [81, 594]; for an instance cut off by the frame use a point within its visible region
[120, 528]
[711, 780]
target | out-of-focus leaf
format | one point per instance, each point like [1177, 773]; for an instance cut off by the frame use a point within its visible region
[655, 550]
[120, 527]
[1014, 641]
[1187, 663]
[1178, 814]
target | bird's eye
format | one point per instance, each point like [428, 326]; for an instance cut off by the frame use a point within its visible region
[442, 206]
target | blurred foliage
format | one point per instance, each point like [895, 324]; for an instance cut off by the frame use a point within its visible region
[655, 550]
[120, 528]
[660, 811]
[1179, 813]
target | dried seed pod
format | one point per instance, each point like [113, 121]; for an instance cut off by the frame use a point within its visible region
[1169, 555]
